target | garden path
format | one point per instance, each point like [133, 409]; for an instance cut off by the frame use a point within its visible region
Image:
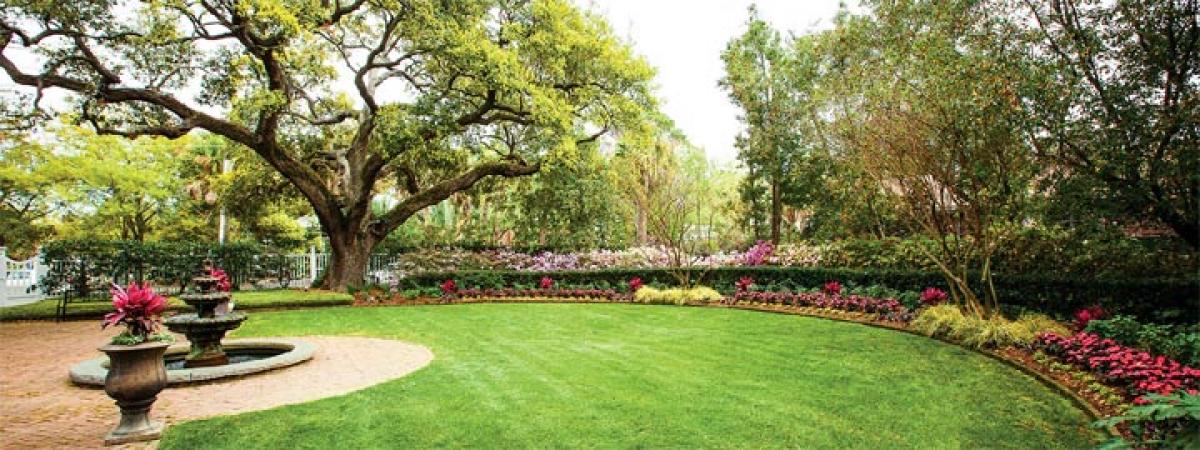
[40, 408]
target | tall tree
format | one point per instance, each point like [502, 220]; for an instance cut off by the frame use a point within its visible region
[773, 80]
[444, 94]
[1116, 98]
[934, 121]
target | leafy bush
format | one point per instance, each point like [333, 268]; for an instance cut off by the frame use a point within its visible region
[84, 265]
[1180, 343]
[676, 296]
[948, 322]
[1152, 300]
[1138, 371]
[1164, 421]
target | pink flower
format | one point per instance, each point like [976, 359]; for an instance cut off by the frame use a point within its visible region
[758, 253]
[546, 283]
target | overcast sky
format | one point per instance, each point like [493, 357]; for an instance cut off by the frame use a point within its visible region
[684, 40]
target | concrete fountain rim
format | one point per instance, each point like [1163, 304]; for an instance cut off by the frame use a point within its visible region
[92, 372]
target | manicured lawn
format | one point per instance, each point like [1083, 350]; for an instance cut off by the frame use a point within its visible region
[280, 298]
[620, 376]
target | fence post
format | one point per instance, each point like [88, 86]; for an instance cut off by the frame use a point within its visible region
[36, 273]
[4, 266]
[312, 264]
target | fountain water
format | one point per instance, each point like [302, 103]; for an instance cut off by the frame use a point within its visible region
[205, 328]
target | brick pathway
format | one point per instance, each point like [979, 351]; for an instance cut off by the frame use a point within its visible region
[40, 408]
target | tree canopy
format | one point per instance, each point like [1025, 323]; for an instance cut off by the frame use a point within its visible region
[444, 94]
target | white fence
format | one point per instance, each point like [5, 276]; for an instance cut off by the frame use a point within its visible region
[20, 278]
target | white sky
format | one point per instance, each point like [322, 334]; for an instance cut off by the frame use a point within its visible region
[684, 40]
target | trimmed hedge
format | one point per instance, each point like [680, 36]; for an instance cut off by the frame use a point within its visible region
[79, 264]
[1160, 300]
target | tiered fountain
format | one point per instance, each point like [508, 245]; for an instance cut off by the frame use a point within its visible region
[206, 358]
[205, 328]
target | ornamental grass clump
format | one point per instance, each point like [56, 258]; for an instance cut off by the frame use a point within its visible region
[948, 322]
[139, 308]
[677, 296]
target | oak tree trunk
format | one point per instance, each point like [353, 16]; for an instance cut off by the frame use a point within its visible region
[350, 255]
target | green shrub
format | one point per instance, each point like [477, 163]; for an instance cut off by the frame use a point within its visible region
[676, 296]
[1160, 300]
[1180, 343]
[948, 322]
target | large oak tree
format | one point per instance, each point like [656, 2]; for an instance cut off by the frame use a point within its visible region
[341, 97]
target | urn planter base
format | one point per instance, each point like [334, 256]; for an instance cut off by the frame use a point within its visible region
[136, 375]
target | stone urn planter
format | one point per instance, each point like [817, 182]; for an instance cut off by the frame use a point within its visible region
[136, 375]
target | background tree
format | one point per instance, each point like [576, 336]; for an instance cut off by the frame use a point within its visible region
[28, 173]
[1114, 98]
[935, 123]
[445, 94]
[766, 82]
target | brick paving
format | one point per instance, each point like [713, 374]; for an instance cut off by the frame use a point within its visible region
[40, 408]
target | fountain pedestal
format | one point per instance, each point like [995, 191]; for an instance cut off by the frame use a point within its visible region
[204, 328]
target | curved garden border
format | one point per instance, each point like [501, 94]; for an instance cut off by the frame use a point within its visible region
[836, 315]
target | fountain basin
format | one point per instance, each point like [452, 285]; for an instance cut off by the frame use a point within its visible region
[247, 356]
[205, 334]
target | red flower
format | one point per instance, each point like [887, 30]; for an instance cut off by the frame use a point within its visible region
[635, 284]
[449, 288]
[1083, 316]
[932, 296]
[546, 283]
[743, 284]
[833, 288]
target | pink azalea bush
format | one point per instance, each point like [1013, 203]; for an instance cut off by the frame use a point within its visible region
[138, 308]
[757, 255]
[932, 296]
[1138, 371]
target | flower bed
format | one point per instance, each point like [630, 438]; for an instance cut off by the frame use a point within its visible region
[888, 308]
[1137, 371]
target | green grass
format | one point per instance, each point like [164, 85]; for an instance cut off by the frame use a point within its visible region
[622, 376]
[281, 298]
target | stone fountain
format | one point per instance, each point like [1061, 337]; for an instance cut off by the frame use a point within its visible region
[205, 328]
[206, 357]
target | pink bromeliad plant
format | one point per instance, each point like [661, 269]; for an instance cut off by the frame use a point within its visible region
[223, 283]
[138, 308]
[635, 283]
[932, 296]
[832, 288]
